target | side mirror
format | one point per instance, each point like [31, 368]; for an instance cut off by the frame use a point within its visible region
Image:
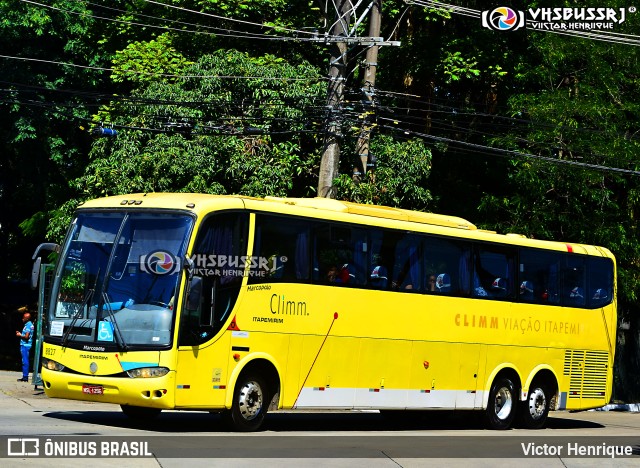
[35, 271]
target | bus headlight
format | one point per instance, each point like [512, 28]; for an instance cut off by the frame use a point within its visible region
[50, 364]
[147, 372]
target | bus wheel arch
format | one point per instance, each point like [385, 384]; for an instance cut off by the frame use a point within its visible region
[256, 385]
[533, 410]
[502, 404]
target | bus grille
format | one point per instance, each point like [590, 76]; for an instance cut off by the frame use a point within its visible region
[587, 371]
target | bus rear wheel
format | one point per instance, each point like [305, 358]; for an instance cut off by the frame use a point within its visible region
[535, 409]
[250, 404]
[501, 408]
[139, 412]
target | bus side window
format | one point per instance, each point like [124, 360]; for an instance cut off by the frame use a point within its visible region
[494, 273]
[573, 282]
[444, 260]
[340, 255]
[382, 244]
[538, 276]
[281, 250]
[331, 253]
[600, 281]
[407, 271]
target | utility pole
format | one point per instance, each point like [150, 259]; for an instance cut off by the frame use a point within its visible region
[340, 40]
[367, 161]
[337, 70]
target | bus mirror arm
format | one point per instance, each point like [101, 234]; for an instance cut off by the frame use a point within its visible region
[35, 271]
[189, 266]
[46, 246]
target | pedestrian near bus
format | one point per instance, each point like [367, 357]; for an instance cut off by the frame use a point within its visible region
[26, 339]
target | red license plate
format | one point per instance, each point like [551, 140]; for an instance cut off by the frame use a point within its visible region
[93, 389]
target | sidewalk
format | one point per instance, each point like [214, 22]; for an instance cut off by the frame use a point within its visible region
[27, 392]
[10, 386]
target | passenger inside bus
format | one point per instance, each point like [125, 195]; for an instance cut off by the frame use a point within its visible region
[378, 278]
[526, 291]
[576, 296]
[431, 283]
[499, 288]
[599, 297]
[342, 275]
[599, 294]
[443, 283]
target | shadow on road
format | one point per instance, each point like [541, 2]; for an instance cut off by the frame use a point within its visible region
[183, 421]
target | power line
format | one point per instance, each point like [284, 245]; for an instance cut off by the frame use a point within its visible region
[252, 109]
[511, 153]
[213, 28]
[190, 126]
[164, 75]
[210, 15]
[182, 125]
[241, 34]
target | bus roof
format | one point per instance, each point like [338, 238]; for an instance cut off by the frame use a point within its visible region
[199, 203]
[193, 200]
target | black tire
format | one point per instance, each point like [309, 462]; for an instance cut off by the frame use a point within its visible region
[140, 413]
[250, 403]
[502, 405]
[535, 409]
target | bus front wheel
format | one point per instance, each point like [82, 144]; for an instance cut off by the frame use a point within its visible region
[250, 403]
[535, 409]
[139, 412]
[501, 408]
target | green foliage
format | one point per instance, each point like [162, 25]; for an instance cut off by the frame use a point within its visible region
[148, 61]
[456, 67]
[197, 158]
[584, 102]
[400, 177]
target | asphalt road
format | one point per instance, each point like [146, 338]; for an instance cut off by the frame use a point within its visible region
[72, 433]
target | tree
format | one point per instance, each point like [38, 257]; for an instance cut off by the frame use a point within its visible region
[400, 178]
[578, 103]
[207, 132]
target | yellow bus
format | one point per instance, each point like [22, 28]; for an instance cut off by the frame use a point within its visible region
[236, 305]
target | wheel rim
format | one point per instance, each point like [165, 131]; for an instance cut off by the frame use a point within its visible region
[537, 403]
[503, 403]
[250, 400]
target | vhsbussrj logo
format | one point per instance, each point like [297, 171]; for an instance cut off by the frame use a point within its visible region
[556, 18]
[503, 19]
[159, 263]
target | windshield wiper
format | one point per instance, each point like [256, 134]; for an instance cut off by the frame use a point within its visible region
[119, 339]
[77, 315]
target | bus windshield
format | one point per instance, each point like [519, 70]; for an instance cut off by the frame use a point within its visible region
[118, 278]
